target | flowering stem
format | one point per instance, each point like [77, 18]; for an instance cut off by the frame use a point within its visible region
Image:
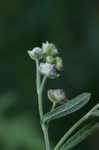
[38, 77]
[38, 81]
[40, 87]
[43, 83]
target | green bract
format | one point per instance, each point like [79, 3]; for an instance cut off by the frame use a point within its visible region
[50, 49]
[56, 95]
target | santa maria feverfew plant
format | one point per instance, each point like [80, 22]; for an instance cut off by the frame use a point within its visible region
[48, 66]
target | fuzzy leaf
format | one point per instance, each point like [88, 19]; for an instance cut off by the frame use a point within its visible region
[78, 137]
[68, 108]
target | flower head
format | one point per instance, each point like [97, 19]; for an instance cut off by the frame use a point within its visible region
[56, 95]
[50, 49]
[36, 53]
[48, 70]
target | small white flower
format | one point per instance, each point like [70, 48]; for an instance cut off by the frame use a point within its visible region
[36, 53]
[48, 70]
[50, 49]
[56, 95]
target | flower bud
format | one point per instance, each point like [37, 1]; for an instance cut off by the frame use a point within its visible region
[36, 53]
[50, 49]
[59, 63]
[50, 59]
[56, 95]
[48, 70]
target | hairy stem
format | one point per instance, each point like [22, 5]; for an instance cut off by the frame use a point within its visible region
[46, 137]
[40, 87]
[38, 77]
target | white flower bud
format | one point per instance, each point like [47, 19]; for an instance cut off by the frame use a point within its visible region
[48, 70]
[59, 63]
[36, 53]
[50, 49]
[56, 95]
[50, 59]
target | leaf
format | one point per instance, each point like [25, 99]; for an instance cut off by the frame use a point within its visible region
[78, 137]
[68, 108]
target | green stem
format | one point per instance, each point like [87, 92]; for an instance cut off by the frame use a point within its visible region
[46, 137]
[40, 87]
[38, 76]
[53, 106]
[43, 83]
[38, 82]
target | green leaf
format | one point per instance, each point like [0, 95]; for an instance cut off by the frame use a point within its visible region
[79, 136]
[68, 108]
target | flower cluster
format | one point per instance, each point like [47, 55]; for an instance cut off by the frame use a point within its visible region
[50, 62]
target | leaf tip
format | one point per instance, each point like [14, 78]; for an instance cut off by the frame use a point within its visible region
[88, 95]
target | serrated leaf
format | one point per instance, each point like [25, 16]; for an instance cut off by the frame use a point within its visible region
[81, 135]
[68, 108]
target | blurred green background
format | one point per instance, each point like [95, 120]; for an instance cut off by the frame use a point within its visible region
[74, 27]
